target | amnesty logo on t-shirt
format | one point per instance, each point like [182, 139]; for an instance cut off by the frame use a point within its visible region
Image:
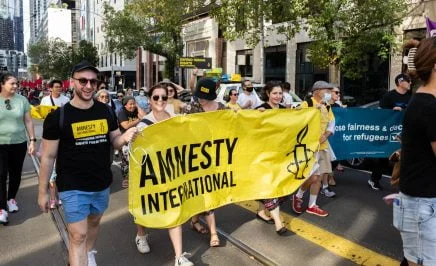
[90, 128]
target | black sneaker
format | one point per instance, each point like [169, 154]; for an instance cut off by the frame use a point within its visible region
[374, 185]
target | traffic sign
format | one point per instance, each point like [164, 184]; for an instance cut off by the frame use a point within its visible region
[198, 62]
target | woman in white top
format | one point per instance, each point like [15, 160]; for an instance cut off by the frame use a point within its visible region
[158, 102]
[174, 105]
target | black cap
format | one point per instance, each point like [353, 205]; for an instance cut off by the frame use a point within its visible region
[400, 78]
[82, 66]
[206, 89]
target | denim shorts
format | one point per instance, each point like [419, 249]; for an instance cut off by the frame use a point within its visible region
[415, 218]
[78, 205]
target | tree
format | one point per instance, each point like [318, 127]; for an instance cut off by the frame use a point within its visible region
[55, 58]
[240, 19]
[344, 32]
[347, 32]
[154, 25]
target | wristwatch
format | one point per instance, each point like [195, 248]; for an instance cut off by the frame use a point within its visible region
[32, 139]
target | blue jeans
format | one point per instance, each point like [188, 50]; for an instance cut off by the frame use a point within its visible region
[415, 218]
[78, 205]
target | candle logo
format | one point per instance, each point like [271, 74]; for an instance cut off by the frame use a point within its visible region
[300, 155]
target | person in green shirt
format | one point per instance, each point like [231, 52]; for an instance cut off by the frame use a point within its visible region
[15, 120]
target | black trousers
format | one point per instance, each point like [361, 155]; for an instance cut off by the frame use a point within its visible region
[11, 164]
[377, 167]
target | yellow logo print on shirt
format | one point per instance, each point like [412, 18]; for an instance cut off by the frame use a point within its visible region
[90, 128]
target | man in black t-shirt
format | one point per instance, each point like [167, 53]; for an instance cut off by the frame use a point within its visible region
[398, 100]
[79, 136]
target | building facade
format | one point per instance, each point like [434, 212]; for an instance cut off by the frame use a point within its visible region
[116, 70]
[6, 26]
[289, 60]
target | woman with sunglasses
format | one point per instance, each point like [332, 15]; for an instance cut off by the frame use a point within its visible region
[15, 120]
[128, 117]
[102, 96]
[205, 92]
[273, 96]
[174, 105]
[158, 102]
[232, 100]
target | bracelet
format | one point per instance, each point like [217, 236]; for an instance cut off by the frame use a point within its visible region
[32, 139]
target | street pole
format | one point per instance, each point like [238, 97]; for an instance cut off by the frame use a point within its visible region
[113, 77]
[262, 51]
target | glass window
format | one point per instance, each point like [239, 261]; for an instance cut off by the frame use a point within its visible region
[244, 63]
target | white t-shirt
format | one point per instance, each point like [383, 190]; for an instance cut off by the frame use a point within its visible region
[244, 98]
[150, 116]
[287, 99]
[59, 101]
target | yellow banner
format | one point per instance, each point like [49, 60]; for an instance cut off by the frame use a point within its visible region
[41, 111]
[194, 163]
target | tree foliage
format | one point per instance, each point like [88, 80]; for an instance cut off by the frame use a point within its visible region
[344, 32]
[55, 58]
[347, 32]
[154, 25]
[240, 19]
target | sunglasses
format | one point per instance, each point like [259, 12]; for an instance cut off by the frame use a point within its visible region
[8, 104]
[235, 94]
[84, 81]
[170, 90]
[120, 96]
[156, 98]
[337, 92]
[104, 96]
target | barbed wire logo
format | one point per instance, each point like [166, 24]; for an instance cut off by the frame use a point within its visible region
[301, 155]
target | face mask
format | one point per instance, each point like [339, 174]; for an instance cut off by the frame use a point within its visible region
[327, 97]
[142, 93]
[249, 89]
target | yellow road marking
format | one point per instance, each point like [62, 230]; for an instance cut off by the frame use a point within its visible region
[333, 243]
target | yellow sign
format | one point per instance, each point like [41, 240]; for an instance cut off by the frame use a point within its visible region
[89, 128]
[41, 111]
[198, 62]
[218, 158]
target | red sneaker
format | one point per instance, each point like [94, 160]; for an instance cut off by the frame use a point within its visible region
[297, 204]
[316, 210]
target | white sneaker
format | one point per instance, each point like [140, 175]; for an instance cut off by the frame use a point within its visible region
[12, 205]
[91, 257]
[3, 217]
[182, 261]
[142, 244]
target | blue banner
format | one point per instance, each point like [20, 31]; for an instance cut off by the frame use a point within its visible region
[365, 132]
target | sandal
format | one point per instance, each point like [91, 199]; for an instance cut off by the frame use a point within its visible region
[214, 240]
[125, 183]
[197, 227]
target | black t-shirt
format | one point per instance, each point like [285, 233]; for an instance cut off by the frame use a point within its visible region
[418, 161]
[83, 159]
[394, 99]
[267, 106]
[125, 115]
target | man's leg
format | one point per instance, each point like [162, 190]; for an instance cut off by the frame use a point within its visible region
[93, 227]
[314, 190]
[77, 249]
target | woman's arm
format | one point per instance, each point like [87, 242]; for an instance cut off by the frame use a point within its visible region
[30, 131]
